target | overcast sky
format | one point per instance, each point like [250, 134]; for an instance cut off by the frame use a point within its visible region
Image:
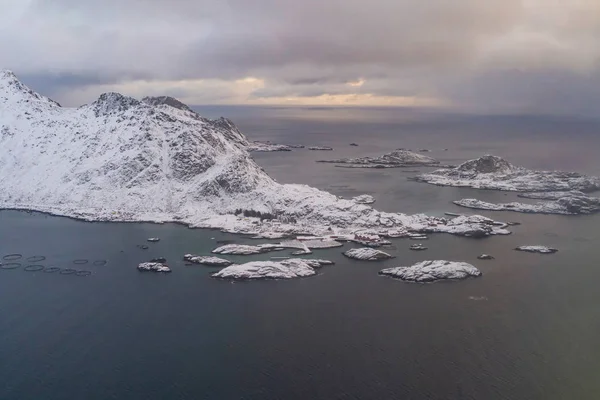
[539, 56]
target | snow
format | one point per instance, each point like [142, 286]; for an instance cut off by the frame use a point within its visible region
[155, 160]
[154, 267]
[417, 247]
[397, 158]
[285, 269]
[367, 254]
[491, 172]
[537, 249]
[240, 249]
[485, 257]
[475, 226]
[566, 205]
[322, 244]
[551, 195]
[258, 146]
[432, 271]
[207, 260]
[364, 199]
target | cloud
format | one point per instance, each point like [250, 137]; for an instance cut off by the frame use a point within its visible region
[468, 54]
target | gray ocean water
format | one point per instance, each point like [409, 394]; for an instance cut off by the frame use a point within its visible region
[527, 329]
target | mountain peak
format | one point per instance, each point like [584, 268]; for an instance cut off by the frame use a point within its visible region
[486, 164]
[12, 89]
[114, 102]
[6, 74]
[167, 100]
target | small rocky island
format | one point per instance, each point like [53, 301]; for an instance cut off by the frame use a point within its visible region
[495, 173]
[210, 261]
[268, 146]
[432, 271]
[284, 269]
[537, 249]
[241, 249]
[367, 254]
[321, 148]
[567, 204]
[153, 267]
[395, 159]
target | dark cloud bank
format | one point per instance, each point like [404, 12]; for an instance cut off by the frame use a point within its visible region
[484, 56]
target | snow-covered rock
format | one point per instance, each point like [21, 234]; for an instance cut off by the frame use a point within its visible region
[367, 254]
[475, 226]
[537, 249]
[550, 195]
[316, 262]
[301, 252]
[491, 172]
[325, 148]
[271, 235]
[566, 205]
[284, 269]
[322, 244]
[240, 249]
[153, 239]
[258, 146]
[207, 260]
[485, 257]
[431, 271]
[364, 199]
[121, 159]
[154, 267]
[417, 247]
[395, 159]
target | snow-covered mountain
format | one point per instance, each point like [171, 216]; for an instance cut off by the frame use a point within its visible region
[120, 159]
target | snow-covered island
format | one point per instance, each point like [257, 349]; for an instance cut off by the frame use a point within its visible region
[367, 254]
[241, 249]
[395, 159]
[284, 269]
[432, 271]
[155, 159]
[210, 261]
[153, 267]
[537, 249]
[268, 146]
[567, 205]
[491, 172]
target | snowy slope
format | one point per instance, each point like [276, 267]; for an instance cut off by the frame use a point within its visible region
[120, 159]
